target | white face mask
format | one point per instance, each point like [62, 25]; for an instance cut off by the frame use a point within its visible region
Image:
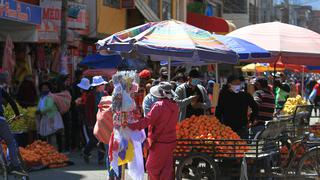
[235, 88]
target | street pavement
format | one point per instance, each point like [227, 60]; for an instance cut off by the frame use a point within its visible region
[79, 171]
[83, 171]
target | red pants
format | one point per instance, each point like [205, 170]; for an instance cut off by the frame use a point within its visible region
[160, 161]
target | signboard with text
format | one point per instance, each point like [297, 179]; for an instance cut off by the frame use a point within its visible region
[49, 29]
[20, 11]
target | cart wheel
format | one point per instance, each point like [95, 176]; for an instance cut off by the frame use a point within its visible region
[309, 164]
[197, 167]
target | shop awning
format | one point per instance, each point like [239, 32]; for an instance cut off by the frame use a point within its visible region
[18, 31]
[211, 24]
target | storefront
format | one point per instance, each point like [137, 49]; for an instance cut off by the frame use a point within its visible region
[18, 20]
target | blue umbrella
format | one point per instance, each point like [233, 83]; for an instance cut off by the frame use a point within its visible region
[97, 61]
[243, 48]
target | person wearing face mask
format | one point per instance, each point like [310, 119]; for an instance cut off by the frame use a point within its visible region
[192, 97]
[233, 105]
[50, 120]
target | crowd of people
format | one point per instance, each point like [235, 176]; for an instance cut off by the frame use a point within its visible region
[160, 105]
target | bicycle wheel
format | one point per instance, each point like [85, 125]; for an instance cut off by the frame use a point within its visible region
[309, 164]
[197, 167]
[3, 164]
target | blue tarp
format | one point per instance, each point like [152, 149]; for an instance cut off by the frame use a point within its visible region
[97, 61]
[313, 68]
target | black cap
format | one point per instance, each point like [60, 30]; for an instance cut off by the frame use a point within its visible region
[232, 78]
[263, 82]
[194, 73]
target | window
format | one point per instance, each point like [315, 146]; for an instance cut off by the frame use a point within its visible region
[127, 4]
[235, 6]
[166, 9]
[154, 5]
[112, 3]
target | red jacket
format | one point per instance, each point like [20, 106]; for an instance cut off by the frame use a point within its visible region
[162, 118]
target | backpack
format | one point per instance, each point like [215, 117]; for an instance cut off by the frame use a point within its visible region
[62, 101]
[104, 124]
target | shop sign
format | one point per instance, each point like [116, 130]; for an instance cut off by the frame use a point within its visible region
[49, 29]
[20, 11]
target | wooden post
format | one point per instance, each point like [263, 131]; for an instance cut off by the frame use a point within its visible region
[123, 172]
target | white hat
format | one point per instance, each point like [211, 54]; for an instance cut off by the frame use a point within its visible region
[318, 81]
[163, 90]
[84, 84]
[97, 81]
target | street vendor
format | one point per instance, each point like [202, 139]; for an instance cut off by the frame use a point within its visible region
[162, 120]
[233, 105]
[192, 97]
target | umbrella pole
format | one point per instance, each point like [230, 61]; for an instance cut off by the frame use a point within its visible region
[302, 83]
[274, 72]
[169, 69]
[217, 71]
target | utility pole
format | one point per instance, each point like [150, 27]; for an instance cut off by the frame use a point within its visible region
[63, 31]
[286, 12]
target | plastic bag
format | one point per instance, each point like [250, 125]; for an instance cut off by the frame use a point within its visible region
[50, 124]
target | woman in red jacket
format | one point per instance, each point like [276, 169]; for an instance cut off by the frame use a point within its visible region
[162, 120]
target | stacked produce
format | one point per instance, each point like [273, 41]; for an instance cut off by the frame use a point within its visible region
[48, 154]
[27, 121]
[41, 153]
[216, 137]
[31, 158]
[292, 103]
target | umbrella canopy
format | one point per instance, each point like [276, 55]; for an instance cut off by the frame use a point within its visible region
[244, 49]
[97, 61]
[259, 67]
[170, 39]
[295, 45]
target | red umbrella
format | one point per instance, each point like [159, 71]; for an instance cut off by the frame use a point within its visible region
[293, 67]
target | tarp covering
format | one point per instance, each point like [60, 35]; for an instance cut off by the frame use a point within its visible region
[97, 61]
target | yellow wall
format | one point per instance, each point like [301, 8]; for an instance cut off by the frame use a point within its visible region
[110, 20]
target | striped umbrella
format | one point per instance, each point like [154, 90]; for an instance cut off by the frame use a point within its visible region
[173, 40]
[170, 38]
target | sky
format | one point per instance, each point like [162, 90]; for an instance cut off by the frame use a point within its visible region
[314, 3]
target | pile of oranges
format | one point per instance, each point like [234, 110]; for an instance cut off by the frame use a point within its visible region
[30, 158]
[49, 156]
[207, 134]
[40, 153]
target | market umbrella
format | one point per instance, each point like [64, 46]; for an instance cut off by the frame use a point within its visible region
[291, 44]
[259, 67]
[243, 48]
[172, 40]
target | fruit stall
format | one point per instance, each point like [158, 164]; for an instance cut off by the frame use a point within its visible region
[25, 128]
[40, 155]
[207, 149]
[35, 154]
